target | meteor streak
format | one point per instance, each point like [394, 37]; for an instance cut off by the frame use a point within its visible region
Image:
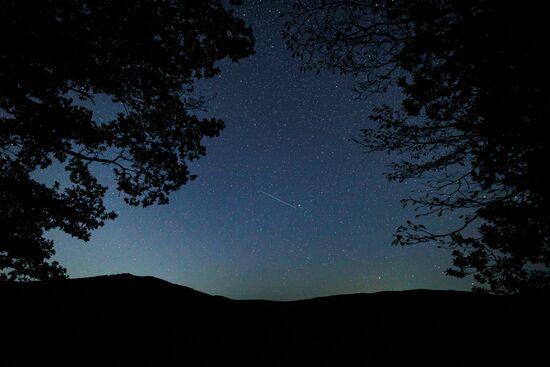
[279, 200]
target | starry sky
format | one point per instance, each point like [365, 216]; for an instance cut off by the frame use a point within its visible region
[284, 206]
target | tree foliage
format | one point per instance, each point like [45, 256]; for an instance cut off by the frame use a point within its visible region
[56, 57]
[475, 86]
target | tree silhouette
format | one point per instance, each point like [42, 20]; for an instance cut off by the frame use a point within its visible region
[474, 80]
[56, 58]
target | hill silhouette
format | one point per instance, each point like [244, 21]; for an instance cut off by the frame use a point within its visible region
[130, 320]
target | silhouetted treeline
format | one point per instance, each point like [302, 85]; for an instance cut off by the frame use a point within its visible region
[471, 125]
[57, 57]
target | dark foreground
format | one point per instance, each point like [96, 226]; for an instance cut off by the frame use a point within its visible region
[128, 320]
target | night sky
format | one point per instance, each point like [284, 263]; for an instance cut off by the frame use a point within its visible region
[284, 206]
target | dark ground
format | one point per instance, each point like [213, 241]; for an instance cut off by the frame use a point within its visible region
[129, 320]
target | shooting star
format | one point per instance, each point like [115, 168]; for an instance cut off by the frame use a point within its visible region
[279, 200]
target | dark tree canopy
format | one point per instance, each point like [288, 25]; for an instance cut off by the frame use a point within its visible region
[476, 98]
[56, 57]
